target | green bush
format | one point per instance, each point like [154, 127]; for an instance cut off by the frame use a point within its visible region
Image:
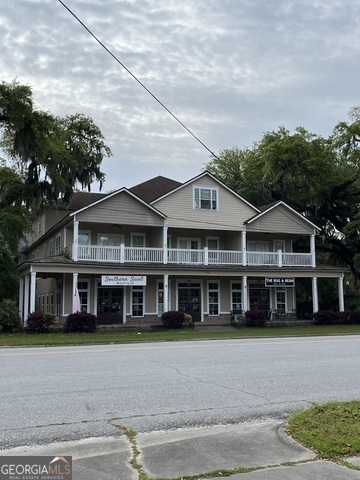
[330, 317]
[80, 322]
[354, 317]
[39, 322]
[173, 319]
[255, 318]
[9, 317]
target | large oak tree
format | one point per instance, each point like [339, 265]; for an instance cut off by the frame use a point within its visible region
[47, 158]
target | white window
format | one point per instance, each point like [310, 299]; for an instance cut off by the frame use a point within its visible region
[213, 298]
[110, 240]
[160, 298]
[84, 238]
[279, 245]
[256, 246]
[83, 289]
[137, 301]
[192, 244]
[236, 304]
[281, 300]
[205, 198]
[212, 243]
[138, 240]
[189, 243]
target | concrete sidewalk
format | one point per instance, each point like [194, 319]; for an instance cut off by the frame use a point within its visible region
[258, 450]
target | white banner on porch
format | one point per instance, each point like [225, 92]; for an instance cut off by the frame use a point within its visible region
[123, 280]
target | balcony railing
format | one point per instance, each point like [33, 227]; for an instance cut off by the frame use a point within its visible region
[178, 256]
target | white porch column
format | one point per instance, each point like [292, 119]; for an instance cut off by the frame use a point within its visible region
[315, 299]
[341, 294]
[75, 240]
[243, 247]
[21, 299]
[279, 255]
[75, 281]
[166, 293]
[32, 291]
[26, 297]
[244, 294]
[124, 304]
[165, 246]
[312, 251]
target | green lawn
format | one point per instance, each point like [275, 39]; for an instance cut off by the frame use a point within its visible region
[126, 336]
[332, 430]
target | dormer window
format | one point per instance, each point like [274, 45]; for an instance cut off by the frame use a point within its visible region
[205, 198]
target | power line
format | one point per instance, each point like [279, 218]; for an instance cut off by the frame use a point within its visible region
[148, 90]
[136, 79]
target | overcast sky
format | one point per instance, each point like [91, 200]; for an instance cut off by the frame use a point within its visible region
[230, 70]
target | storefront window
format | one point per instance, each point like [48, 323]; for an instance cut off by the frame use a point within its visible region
[280, 300]
[137, 301]
[160, 298]
[213, 290]
[236, 305]
[84, 296]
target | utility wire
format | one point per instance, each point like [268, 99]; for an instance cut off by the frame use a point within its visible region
[146, 88]
[135, 78]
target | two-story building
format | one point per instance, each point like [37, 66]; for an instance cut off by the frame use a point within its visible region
[162, 245]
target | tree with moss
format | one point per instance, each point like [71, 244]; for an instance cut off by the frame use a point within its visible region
[47, 158]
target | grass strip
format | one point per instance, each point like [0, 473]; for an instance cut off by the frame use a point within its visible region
[332, 430]
[125, 336]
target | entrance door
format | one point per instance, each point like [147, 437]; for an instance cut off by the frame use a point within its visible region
[190, 300]
[110, 305]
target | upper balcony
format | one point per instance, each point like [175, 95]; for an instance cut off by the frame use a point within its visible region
[176, 256]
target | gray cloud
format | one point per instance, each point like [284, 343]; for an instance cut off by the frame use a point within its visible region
[230, 70]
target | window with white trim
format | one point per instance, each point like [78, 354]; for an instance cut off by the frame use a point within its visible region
[280, 300]
[83, 289]
[110, 239]
[160, 298]
[279, 245]
[213, 298]
[205, 198]
[137, 301]
[138, 240]
[236, 303]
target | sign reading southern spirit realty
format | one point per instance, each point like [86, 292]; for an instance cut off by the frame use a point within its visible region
[279, 282]
[123, 280]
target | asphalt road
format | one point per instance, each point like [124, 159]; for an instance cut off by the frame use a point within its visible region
[68, 393]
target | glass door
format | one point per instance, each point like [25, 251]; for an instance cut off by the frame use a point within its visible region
[110, 305]
[189, 300]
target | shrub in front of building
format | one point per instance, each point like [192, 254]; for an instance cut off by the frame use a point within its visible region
[255, 318]
[80, 322]
[354, 317]
[331, 317]
[39, 322]
[173, 319]
[9, 317]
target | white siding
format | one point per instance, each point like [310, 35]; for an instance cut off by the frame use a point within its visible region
[122, 209]
[178, 207]
[281, 220]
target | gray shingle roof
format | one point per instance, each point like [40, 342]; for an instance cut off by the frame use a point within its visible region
[154, 188]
